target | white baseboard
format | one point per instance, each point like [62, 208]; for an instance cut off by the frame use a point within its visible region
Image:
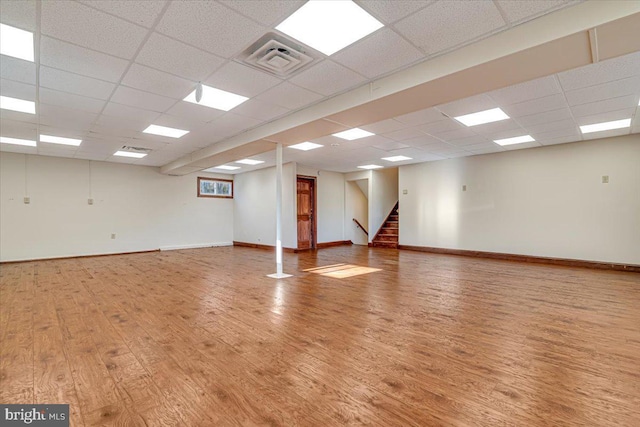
[196, 246]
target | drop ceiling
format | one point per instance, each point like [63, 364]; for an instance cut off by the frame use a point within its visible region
[106, 70]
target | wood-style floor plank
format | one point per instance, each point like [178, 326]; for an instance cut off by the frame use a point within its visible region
[202, 337]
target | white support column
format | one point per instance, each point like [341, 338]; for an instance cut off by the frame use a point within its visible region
[279, 271]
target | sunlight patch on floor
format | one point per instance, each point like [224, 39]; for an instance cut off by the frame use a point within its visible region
[342, 271]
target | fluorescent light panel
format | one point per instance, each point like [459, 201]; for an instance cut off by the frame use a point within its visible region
[17, 141]
[329, 26]
[370, 167]
[129, 154]
[216, 98]
[60, 140]
[249, 162]
[15, 104]
[227, 167]
[514, 140]
[482, 117]
[306, 146]
[599, 127]
[165, 131]
[351, 134]
[16, 42]
[396, 158]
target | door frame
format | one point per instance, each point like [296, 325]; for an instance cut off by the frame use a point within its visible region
[314, 209]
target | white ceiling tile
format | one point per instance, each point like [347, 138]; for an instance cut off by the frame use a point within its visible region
[446, 24]
[428, 115]
[547, 116]
[268, 13]
[404, 134]
[140, 12]
[436, 128]
[99, 146]
[63, 99]
[327, 78]
[604, 91]
[557, 133]
[613, 104]
[66, 118]
[533, 89]
[18, 70]
[513, 147]
[473, 104]
[606, 117]
[18, 116]
[260, 110]
[19, 14]
[230, 124]
[88, 27]
[195, 112]
[10, 148]
[209, 26]
[126, 112]
[601, 72]
[17, 90]
[500, 130]
[178, 58]
[242, 80]
[606, 134]
[455, 134]
[551, 126]
[289, 96]
[158, 82]
[114, 127]
[560, 140]
[91, 156]
[388, 12]
[495, 148]
[516, 11]
[79, 60]
[179, 123]
[392, 52]
[73, 83]
[18, 129]
[144, 100]
[473, 140]
[384, 126]
[536, 106]
[421, 141]
[390, 145]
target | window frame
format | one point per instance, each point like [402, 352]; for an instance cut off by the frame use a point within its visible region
[215, 196]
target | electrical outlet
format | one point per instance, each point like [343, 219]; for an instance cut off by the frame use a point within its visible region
[90, 201]
[27, 200]
[113, 235]
[405, 192]
[464, 188]
[605, 179]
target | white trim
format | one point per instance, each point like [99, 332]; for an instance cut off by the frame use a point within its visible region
[196, 246]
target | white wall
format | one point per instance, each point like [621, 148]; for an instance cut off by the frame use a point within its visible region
[383, 195]
[331, 199]
[145, 209]
[356, 206]
[547, 201]
[255, 207]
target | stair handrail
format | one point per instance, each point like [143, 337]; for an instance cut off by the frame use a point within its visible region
[361, 227]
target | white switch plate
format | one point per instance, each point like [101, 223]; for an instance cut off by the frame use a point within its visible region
[27, 200]
[605, 179]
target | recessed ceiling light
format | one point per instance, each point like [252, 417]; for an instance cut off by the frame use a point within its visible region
[599, 127]
[396, 158]
[482, 117]
[514, 140]
[16, 42]
[129, 154]
[59, 140]
[227, 167]
[329, 26]
[15, 104]
[165, 131]
[17, 141]
[216, 98]
[351, 134]
[250, 162]
[306, 146]
[370, 167]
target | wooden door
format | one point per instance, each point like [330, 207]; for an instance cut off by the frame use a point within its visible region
[306, 213]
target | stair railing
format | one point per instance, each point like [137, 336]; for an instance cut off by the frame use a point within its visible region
[361, 227]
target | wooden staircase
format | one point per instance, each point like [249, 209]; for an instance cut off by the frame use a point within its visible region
[387, 236]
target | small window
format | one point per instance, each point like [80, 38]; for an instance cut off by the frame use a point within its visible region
[211, 187]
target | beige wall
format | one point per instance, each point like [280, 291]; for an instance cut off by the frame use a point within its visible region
[145, 209]
[547, 201]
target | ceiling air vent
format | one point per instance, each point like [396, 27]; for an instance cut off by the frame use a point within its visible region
[135, 149]
[276, 55]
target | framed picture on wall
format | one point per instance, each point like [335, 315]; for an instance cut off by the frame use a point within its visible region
[214, 187]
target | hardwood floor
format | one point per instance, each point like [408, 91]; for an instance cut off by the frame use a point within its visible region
[202, 338]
